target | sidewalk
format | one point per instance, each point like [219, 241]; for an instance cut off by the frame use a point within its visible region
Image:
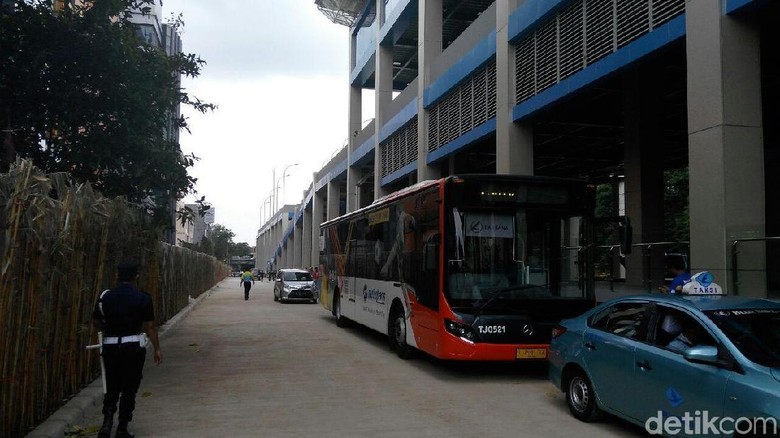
[71, 417]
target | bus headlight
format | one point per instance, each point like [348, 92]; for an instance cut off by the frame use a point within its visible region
[460, 330]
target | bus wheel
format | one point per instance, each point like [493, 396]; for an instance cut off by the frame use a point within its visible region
[581, 398]
[398, 335]
[341, 321]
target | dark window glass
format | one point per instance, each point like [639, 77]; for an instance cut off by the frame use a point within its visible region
[755, 332]
[628, 320]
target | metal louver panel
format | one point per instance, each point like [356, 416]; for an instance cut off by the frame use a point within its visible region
[466, 116]
[453, 124]
[581, 34]
[396, 147]
[572, 52]
[546, 56]
[525, 69]
[383, 152]
[479, 85]
[411, 143]
[599, 29]
[491, 90]
[399, 149]
[633, 20]
[463, 108]
[433, 129]
[664, 10]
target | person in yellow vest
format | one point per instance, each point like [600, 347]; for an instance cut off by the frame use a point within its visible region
[246, 278]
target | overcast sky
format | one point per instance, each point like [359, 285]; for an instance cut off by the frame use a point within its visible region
[279, 73]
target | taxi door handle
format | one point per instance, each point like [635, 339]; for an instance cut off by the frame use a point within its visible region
[644, 364]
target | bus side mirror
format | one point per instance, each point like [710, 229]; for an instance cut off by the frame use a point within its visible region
[625, 232]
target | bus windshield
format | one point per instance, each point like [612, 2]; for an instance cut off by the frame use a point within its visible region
[511, 254]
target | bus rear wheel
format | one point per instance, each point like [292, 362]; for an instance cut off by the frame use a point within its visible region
[398, 335]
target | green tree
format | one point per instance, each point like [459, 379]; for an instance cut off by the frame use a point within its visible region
[676, 213]
[206, 246]
[81, 93]
[222, 238]
[242, 249]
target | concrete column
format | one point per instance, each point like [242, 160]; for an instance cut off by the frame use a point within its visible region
[383, 87]
[726, 146]
[334, 194]
[353, 191]
[264, 253]
[278, 241]
[306, 239]
[355, 126]
[318, 204]
[284, 255]
[644, 177]
[297, 246]
[287, 246]
[283, 247]
[514, 141]
[267, 245]
[430, 46]
[257, 251]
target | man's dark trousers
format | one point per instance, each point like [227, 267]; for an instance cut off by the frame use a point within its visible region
[124, 369]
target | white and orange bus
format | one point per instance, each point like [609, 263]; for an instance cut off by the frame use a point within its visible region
[470, 267]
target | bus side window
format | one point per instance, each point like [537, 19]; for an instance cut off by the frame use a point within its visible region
[431, 252]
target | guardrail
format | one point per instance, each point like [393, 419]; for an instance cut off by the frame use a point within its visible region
[647, 259]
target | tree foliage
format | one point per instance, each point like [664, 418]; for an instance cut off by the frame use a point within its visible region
[242, 249]
[82, 93]
[222, 238]
[676, 212]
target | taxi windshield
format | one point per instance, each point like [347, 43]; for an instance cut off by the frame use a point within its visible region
[755, 332]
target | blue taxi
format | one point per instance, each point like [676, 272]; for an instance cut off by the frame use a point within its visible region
[698, 363]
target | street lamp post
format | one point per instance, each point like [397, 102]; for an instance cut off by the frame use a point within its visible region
[264, 217]
[282, 178]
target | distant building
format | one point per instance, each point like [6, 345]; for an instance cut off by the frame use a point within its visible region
[184, 233]
[165, 37]
[201, 225]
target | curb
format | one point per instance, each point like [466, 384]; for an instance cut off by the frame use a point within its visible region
[85, 401]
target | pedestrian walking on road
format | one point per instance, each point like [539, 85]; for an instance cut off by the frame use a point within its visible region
[246, 278]
[125, 315]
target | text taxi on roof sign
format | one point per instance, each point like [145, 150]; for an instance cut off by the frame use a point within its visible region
[702, 284]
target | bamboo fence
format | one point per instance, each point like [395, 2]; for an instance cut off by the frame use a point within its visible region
[60, 244]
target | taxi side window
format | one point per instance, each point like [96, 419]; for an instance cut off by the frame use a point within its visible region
[628, 320]
[668, 325]
[676, 331]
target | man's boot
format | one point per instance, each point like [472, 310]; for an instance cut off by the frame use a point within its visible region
[105, 429]
[121, 431]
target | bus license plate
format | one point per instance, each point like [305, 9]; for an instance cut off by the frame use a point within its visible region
[531, 353]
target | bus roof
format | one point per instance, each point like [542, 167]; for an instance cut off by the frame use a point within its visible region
[420, 186]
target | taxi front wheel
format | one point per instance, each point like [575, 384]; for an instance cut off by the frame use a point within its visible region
[581, 398]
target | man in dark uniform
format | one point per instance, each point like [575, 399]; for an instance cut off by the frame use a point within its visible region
[122, 313]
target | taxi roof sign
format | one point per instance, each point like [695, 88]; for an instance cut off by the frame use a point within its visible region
[702, 284]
